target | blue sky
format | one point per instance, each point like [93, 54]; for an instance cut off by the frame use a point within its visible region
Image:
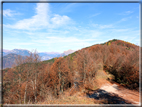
[58, 27]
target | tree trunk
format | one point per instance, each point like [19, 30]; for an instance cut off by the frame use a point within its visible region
[60, 80]
[55, 90]
[89, 76]
[25, 94]
[60, 77]
[84, 71]
[35, 90]
[33, 86]
[62, 86]
[19, 90]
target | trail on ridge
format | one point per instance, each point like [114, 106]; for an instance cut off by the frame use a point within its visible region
[115, 93]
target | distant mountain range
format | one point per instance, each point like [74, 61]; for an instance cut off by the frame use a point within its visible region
[10, 55]
[21, 52]
[9, 60]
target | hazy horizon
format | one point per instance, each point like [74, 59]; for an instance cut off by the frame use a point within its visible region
[52, 52]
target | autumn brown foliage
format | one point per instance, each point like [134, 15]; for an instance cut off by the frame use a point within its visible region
[31, 81]
[123, 62]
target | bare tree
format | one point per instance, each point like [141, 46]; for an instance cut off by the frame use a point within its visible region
[19, 69]
[28, 71]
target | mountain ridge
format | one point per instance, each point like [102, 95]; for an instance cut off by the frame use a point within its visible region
[45, 56]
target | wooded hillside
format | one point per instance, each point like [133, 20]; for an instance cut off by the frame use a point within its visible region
[32, 80]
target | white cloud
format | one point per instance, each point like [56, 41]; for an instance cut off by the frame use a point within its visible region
[120, 30]
[96, 33]
[10, 13]
[69, 7]
[126, 13]
[64, 40]
[41, 20]
[103, 26]
[95, 15]
[50, 40]
[129, 12]
[24, 43]
[58, 20]
[123, 19]
[51, 43]
[34, 22]
[7, 12]
[106, 26]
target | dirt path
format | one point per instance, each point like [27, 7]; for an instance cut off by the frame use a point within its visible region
[129, 95]
[115, 92]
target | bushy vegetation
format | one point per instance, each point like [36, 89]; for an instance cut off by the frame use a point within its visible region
[124, 65]
[32, 81]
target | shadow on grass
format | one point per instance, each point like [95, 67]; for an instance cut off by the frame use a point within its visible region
[110, 98]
